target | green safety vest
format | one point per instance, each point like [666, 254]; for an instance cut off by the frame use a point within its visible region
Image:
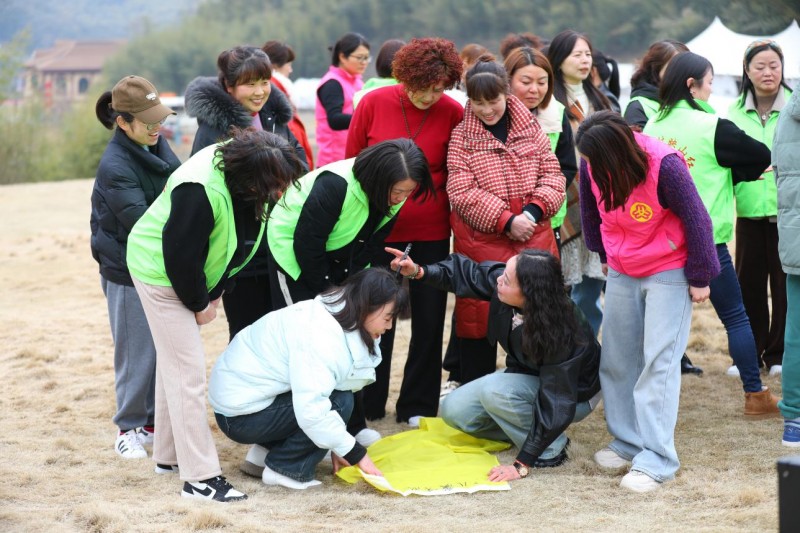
[649, 106]
[756, 199]
[692, 132]
[558, 218]
[145, 243]
[286, 213]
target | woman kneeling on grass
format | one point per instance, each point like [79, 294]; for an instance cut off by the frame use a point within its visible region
[291, 392]
[551, 379]
[642, 213]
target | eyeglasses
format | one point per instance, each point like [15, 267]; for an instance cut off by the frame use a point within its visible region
[762, 42]
[154, 125]
[361, 59]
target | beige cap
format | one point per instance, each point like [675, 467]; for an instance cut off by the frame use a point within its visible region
[139, 97]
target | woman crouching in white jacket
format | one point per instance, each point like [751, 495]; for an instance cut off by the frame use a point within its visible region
[286, 382]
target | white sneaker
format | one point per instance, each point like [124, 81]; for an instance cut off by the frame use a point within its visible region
[733, 371]
[253, 464]
[776, 370]
[270, 477]
[414, 421]
[367, 437]
[166, 469]
[146, 437]
[128, 446]
[608, 458]
[447, 388]
[638, 482]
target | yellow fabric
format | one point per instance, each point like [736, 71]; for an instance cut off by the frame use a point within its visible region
[432, 460]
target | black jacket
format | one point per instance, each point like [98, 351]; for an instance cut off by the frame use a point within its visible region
[216, 112]
[566, 378]
[128, 180]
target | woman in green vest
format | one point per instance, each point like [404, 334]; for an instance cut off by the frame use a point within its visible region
[182, 254]
[764, 94]
[719, 155]
[644, 102]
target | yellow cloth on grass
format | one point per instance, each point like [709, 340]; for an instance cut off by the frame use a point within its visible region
[432, 460]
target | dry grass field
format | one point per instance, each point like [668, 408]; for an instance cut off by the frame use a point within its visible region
[60, 473]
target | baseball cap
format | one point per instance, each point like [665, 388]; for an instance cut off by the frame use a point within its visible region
[139, 97]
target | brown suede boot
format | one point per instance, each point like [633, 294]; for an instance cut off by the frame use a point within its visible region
[761, 404]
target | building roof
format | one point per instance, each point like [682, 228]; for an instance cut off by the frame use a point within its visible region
[70, 55]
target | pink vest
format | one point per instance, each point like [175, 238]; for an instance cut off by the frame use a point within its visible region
[331, 143]
[642, 238]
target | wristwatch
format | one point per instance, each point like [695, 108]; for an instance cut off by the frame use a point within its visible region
[522, 469]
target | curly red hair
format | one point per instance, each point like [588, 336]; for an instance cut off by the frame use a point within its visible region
[425, 62]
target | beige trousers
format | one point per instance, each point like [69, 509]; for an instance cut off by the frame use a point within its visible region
[182, 435]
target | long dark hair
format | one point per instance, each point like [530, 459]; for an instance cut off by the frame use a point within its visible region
[347, 44]
[550, 323]
[258, 167]
[380, 166]
[659, 54]
[559, 49]
[673, 87]
[106, 114]
[618, 163]
[608, 70]
[363, 293]
[749, 54]
[243, 64]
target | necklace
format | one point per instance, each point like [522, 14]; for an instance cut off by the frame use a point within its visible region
[405, 120]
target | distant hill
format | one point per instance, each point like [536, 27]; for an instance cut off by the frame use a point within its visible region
[49, 20]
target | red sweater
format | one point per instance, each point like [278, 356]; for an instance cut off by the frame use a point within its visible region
[379, 117]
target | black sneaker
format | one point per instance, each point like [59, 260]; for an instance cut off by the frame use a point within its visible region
[558, 460]
[215, 489]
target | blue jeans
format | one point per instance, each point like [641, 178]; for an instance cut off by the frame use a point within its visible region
[726, 297]
[499, 406]
[645, 332]
[586, 296]
[291, 452]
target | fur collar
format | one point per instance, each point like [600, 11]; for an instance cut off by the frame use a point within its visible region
[211, 104]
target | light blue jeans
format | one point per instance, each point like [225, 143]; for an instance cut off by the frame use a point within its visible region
[586, 296]
[645, 332]
[499, 406]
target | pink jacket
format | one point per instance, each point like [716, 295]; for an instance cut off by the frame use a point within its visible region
[642, 238]
[331, 143]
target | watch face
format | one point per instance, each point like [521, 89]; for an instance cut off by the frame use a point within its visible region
[522, 470]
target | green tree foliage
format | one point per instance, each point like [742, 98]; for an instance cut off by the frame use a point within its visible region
[11, 57]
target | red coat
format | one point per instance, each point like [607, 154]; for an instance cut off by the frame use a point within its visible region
[489, 182]
[297, 127]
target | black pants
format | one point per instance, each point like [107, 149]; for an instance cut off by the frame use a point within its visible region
[249, 301]
[422, 375]
[757, 265]
[468, 359]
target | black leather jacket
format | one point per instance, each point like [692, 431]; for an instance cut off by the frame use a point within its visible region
[567, 377]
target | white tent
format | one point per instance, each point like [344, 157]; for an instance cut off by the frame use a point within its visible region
[725, 48]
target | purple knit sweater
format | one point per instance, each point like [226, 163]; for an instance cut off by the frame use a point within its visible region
[677, 192]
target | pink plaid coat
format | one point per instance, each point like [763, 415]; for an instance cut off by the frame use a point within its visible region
[488, 183]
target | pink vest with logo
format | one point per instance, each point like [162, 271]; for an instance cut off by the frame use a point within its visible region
[331, 143]
[642, 238]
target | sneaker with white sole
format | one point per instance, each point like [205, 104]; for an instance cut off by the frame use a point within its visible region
[146, 435]
[776, 370]
[447, 388]
[166, 469]
[791, 433]
[253, 464]
[367, 437]
[271, 477]
[128, 446]
[608, 458]
[638, 482]
[215, 489]
[733, 371]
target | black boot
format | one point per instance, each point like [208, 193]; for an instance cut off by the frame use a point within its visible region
[688, 368]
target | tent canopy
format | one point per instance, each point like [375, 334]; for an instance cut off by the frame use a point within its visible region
[725, 48]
